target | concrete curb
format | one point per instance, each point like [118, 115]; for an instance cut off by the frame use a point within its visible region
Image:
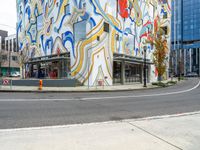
[85, 91]
[76, 91]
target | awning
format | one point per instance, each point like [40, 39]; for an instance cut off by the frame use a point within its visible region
[50, 58]
[130, 59]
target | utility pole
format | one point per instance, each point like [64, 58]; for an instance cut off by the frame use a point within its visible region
[199, 62]
[171, 65]
[145, 66]
[180, 49]
[9, 63]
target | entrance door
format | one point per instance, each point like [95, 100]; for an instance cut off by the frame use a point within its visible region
[133, 73]
[116, 72]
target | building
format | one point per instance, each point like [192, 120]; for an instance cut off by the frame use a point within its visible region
[9, 54]
[3, 35]
[90, 40]
[185, 37]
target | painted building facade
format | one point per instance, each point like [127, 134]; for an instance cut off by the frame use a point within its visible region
[94, 33]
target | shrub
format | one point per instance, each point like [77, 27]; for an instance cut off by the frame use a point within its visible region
[161, 84]
[172, 82]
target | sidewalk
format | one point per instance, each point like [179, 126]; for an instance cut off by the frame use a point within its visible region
[176, 132]
[135, 86]
[129, 87]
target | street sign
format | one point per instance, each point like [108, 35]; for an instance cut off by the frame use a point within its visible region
[6, 82]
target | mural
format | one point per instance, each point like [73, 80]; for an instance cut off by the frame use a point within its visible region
[91, 30]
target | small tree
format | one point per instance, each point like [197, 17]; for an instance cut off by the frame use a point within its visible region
[23, 59]
[159, 41]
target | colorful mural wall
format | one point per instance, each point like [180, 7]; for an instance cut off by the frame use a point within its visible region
[91, 30]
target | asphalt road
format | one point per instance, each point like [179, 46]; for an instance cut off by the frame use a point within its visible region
[19, 110]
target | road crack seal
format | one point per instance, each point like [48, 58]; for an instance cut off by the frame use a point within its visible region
[155, 136]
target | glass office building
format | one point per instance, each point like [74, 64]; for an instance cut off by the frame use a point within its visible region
[185, 37]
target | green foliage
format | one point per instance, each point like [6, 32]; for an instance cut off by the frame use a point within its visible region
[161, 84]
[172, 82]
[159, 41]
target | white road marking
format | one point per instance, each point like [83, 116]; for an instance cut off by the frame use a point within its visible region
[96, 123]
[148, 95]
[100, 98]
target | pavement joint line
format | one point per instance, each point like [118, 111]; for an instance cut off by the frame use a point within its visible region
[100, 98]
[97, 123]
[155, 136]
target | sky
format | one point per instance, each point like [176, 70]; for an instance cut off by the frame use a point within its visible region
[8, 17]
